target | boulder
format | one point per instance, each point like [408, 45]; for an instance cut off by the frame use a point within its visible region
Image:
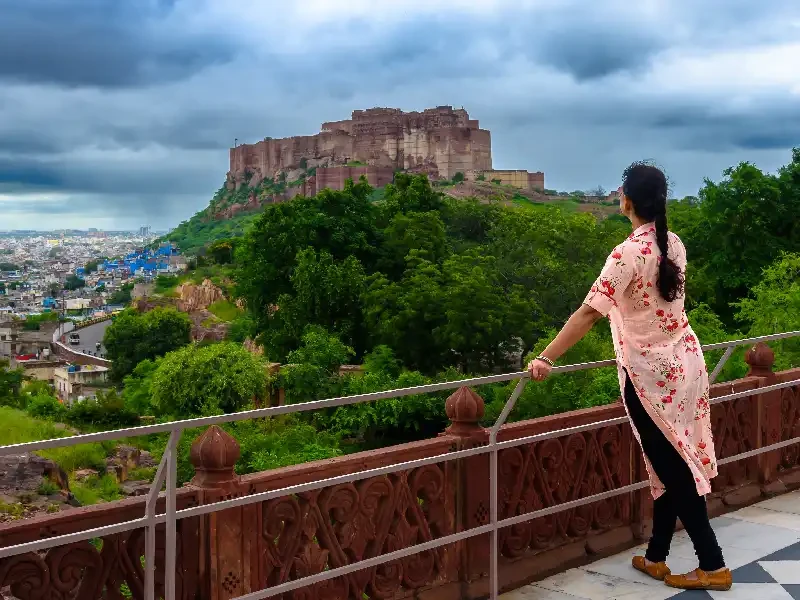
[84, 474]
[23, 474]
[135, 488]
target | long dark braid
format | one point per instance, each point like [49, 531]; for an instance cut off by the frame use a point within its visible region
[646, 187]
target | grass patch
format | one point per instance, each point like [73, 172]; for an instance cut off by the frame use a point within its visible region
[19, 428]
[225, 310]
[11, 509]
[47, 488]
[96, 489]
[142, 474]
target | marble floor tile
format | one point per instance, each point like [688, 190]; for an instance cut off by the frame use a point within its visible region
[752, 591]
[765, 516]
[761, 545]
[788, 503]
[533, 592]
[783, 571]
[594, 586]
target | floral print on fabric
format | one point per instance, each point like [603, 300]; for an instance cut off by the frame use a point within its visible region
[654, 342]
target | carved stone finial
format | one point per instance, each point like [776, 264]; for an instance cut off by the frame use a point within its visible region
[760, 358]
[465, 409]
[214, 455]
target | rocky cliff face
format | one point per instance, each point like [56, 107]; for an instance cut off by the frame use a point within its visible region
[193, 297]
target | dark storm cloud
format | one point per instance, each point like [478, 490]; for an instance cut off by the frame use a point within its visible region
[107, 43]
[133, 104]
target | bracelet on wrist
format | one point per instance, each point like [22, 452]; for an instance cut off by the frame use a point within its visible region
[543, 358]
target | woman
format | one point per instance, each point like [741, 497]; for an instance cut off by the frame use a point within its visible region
[662, 376]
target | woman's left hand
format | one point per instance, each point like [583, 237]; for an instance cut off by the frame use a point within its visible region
[539, 370]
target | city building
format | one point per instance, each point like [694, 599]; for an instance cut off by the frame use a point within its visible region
[78, 382]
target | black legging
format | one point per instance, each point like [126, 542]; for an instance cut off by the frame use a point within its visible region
[680, 499]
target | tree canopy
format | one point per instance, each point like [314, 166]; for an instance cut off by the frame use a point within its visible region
[134, 337]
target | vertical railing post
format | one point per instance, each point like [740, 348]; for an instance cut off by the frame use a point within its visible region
[150, 512]
[494, 484]
[230, 537]
[760, 358]
[170, 550]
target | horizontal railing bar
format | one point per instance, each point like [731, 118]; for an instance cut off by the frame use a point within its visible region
[403, 466]
[744, 341]
[757, 451]
[365, 564]
[330, 481]
[320, 404]
[551, 510]
[754, 391]
[78, 536]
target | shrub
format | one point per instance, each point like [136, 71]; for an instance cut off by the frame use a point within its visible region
[46, 407]
[107, 411]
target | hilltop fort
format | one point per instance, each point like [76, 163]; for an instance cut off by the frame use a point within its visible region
[376, 143]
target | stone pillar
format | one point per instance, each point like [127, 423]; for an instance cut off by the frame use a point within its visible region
[465, 409]
[226, 537]
[761, 360]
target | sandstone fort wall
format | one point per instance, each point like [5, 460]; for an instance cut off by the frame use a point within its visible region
[438, 141]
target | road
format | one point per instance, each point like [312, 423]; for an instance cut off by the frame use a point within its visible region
[90, 336]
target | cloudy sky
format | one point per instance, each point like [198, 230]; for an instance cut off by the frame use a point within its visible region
[119, 113]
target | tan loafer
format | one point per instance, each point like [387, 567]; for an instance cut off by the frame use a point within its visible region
[656, 570]
[719, 581]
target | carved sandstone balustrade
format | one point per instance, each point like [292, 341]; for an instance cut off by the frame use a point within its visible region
[233, 552]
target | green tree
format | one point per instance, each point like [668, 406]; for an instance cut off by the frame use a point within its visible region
[458, 177]
[207, 380]
[774, 307]
[134, 337]
[122, 295]
[74, 282]
[10, 384]
[406, 314]
[90, 267]
[325, 293]
[312, 367]
[137, 391]
[223, 251]
[339, 223]
[746, 221]
[424, 232]
[410, 193]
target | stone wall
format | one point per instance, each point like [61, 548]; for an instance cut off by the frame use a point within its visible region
[439, 141]
[334, 178]
[518, 178]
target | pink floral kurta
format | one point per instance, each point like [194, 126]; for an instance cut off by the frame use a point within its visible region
[655, 343]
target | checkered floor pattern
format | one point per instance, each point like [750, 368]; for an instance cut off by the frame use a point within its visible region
[761, 544]
[773, 577]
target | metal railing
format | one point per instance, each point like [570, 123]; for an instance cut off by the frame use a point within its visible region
[166, 473]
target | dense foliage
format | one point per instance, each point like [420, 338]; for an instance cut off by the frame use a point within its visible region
[442, 282]
[134, 337]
